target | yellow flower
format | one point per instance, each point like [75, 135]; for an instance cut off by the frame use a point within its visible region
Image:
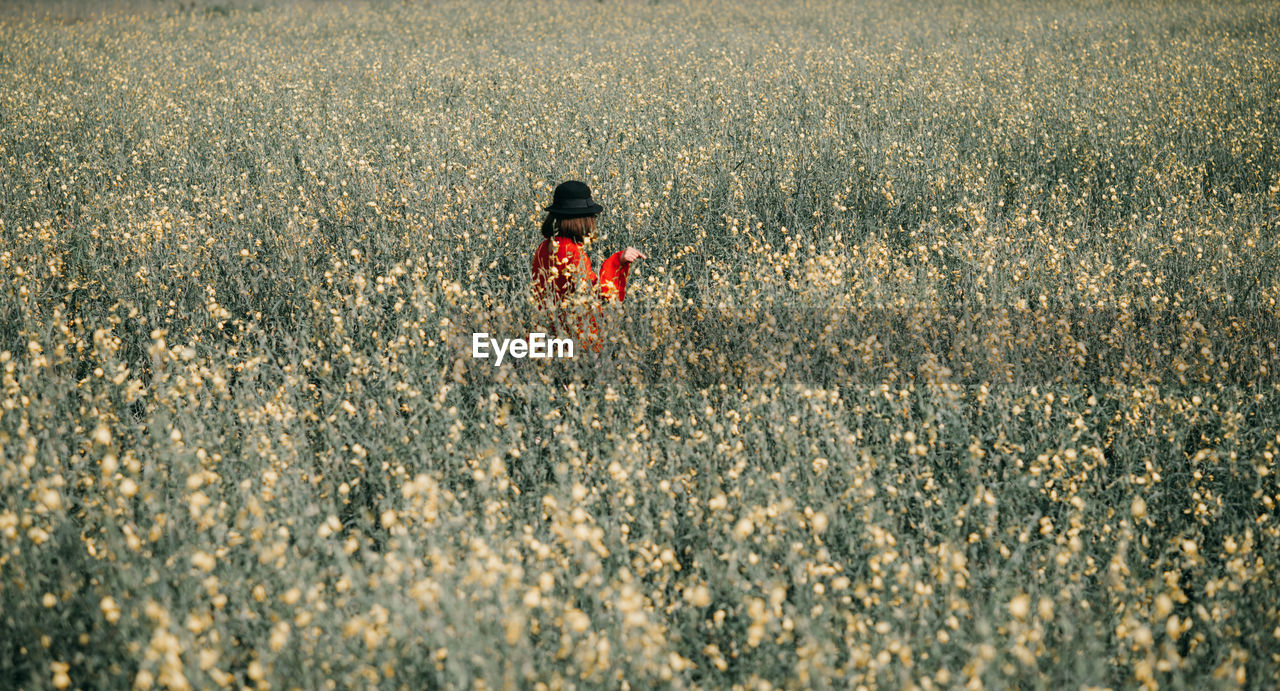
[698, 596]
[60, 678]
[1045, 609]
[577, 621]
[819, 522]
[110, 609]
[1020, 605]
[204, 561]
[279, 636]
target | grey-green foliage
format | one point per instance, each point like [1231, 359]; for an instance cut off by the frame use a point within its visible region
[945, 307]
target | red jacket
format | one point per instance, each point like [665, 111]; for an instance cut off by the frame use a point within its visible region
[560, 268]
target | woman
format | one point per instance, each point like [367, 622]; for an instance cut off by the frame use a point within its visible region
[561, 269]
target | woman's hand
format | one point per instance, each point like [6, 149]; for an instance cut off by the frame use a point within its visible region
[631, 254]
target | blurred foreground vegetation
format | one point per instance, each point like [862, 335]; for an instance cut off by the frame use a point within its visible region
[953, 361]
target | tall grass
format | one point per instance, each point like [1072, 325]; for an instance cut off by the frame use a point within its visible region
[953, 361]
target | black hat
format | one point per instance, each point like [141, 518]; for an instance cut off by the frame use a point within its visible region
[573, 199]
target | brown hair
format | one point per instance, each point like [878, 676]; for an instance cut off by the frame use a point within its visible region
[575, 229]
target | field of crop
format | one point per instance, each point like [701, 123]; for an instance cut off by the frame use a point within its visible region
[953, 363]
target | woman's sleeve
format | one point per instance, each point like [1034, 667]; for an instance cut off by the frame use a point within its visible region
[613, 278]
